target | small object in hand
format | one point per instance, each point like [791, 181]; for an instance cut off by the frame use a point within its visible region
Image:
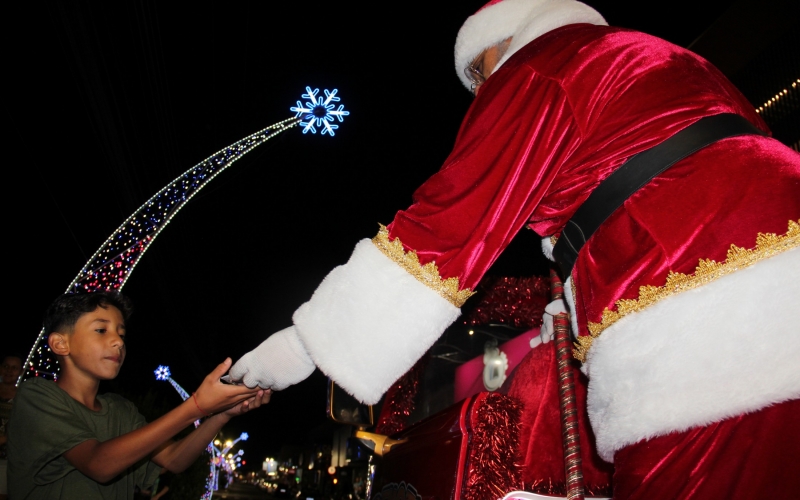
[226, 379]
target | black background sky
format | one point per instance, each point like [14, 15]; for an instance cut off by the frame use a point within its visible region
[107, 102]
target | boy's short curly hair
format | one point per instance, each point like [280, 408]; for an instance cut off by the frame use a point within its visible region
[64, 312]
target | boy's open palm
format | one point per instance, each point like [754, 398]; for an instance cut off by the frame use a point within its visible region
[213, 396]
[261, 398]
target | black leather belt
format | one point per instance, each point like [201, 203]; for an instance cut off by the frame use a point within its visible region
[635, 173]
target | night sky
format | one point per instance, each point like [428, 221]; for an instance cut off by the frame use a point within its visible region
[107, 102]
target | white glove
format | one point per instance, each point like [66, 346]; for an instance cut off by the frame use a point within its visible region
[548, 330]
[277, 363]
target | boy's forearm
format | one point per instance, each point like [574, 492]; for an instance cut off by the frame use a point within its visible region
[104, 461]
[178, 456]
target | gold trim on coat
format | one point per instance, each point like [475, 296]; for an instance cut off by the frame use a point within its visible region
[767, 245]
[428, 274]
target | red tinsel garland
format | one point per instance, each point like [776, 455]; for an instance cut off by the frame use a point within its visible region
[400, 400]
[559, 488]
[494, 468]
[517, 302]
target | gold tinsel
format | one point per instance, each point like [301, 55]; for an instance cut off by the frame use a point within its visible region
[427, 274]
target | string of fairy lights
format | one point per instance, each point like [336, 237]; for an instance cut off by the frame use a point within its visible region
[112, 264]
[777, 97]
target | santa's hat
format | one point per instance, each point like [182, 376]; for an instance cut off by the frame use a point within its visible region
[524, 20]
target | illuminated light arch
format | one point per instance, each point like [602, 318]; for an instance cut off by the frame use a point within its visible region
[112, 264]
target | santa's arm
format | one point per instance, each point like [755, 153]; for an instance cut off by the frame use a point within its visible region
[366, 324]
[372, 318]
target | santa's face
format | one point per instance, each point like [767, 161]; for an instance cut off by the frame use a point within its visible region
[486, 62]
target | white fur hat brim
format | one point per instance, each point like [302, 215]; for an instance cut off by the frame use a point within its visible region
[524, 20]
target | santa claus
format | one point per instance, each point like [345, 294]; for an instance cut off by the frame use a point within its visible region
[684, 299]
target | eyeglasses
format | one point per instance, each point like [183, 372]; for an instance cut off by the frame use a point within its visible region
[473, 74]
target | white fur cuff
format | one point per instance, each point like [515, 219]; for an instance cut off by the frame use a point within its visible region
[547, 248]
[369, 321]
[724, 349]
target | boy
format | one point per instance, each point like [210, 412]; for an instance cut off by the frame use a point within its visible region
[65, 441]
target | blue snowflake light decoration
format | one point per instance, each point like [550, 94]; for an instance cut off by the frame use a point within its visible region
[319, 112]
[244, 437]
[162, 372]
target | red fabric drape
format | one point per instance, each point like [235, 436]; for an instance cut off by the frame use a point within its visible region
[535, 384]
[749, 457]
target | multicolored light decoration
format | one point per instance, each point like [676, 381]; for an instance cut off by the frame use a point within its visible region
[218, 456]
[319, 112]
[163, 374]
[112, 264]
[224, 459]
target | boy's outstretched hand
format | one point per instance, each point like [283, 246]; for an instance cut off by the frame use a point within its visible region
[261, 398]
[214, 397]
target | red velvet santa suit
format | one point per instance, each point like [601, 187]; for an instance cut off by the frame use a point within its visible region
[683, 372]
[557, 118]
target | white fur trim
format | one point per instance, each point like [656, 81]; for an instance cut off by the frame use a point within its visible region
[570, 299]
[729, 347]
[547, 249]
[525, 20]
[369, 321]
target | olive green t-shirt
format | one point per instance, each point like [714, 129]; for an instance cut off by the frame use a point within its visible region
[45, 422]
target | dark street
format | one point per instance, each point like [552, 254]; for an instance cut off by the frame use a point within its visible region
[242, 491]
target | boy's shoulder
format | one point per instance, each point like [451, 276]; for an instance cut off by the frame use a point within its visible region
[37, 398]
[47, 423]
[45, 413]
[38, 391]
[37, 387]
